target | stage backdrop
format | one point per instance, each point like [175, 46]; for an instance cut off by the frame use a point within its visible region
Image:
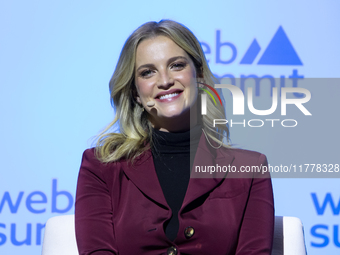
[57, 58]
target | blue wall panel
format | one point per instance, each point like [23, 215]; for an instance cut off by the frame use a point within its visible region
[56, 61]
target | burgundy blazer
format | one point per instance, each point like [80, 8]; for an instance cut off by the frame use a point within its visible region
[120, 208]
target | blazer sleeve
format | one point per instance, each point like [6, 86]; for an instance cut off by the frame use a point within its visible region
[93, 209]
[257, 229]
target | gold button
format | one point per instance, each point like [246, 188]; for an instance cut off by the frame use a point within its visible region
[189, 232]
[172, 250]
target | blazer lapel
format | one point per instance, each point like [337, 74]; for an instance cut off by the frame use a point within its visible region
[203, 182]
[143, 174]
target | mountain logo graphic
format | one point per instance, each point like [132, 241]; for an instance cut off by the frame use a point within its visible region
[280, 51]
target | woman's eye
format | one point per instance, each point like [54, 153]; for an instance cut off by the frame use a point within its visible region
[178, 66]
[146, 73]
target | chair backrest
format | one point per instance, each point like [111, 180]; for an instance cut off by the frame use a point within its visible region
[294, 238]
[59, 238]
[288, 236]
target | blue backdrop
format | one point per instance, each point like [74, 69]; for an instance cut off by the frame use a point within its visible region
[56, 58]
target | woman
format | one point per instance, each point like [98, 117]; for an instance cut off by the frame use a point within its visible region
[135, 194]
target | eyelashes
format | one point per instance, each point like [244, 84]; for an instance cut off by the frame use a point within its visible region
[145, 73]
[177, 66]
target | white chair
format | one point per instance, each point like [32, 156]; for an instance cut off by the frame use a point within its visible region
[59, 238]
[288, 236]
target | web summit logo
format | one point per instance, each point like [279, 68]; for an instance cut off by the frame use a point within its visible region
[280, 51]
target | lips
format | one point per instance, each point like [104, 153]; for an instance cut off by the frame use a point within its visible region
[169, 95]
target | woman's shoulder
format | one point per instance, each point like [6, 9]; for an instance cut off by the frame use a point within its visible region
[89, 153]
[91, 162]
[248, 163]
[246, 155]
[92, 168]
[91, 158]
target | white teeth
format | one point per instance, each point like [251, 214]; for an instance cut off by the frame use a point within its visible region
[168, 96]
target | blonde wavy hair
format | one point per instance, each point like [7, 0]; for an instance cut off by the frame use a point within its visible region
[135, 135]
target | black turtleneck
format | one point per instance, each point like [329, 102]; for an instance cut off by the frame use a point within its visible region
[173, 161]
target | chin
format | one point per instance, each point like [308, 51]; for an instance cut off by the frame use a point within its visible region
[171, 116]
[176, 114]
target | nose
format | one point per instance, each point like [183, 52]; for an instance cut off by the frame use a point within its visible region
[165, 80]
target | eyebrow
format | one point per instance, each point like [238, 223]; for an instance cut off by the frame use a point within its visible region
[168, 62]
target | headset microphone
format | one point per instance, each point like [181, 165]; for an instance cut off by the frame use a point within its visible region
[150, 103]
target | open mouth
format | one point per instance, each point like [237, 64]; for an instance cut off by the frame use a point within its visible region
[169, 95]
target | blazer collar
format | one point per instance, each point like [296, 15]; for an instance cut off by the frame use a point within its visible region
[143, 174]
[203, 182]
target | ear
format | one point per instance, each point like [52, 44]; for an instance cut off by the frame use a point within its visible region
[199, 73]
[138, 100]
[136, 96]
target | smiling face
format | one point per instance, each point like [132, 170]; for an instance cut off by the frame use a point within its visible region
[166, 76]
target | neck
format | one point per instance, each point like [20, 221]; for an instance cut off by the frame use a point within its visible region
[177, 124]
